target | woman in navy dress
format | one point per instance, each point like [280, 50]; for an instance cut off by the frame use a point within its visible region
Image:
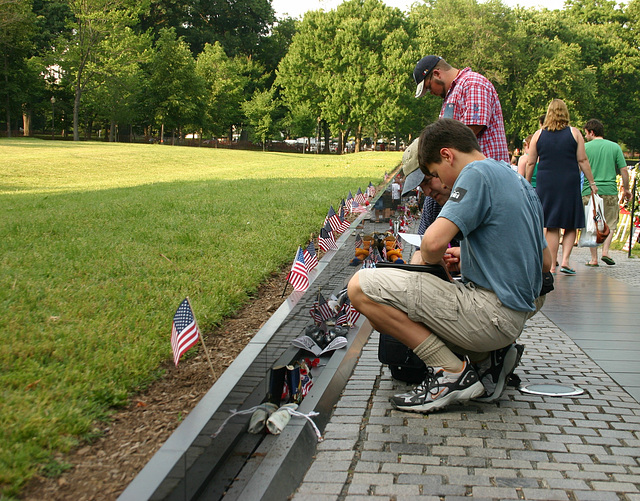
[559, 150]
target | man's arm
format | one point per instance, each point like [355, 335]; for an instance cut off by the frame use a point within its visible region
[435, 240]
[624, 174]
[532, 158]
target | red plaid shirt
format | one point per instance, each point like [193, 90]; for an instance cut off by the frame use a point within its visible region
[473, 100]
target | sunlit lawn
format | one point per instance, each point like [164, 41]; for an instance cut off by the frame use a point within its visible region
[100, 242]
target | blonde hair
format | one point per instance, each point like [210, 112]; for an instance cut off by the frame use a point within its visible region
[557, 116]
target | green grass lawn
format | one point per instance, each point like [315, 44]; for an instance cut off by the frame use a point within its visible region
[101, 242]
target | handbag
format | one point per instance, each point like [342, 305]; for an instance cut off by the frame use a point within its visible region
[602, 228]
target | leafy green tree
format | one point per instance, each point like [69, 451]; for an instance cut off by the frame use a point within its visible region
[259, 111]
[114, 98]
[239, 26]
[174, 86]
[606, 36]
[344, 65]
[96, 26]
[275, 46]
[17, 27]
[227, 83]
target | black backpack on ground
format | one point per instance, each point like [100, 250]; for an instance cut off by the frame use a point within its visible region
[403, 363]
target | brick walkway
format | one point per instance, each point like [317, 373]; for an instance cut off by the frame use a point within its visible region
[524, 447]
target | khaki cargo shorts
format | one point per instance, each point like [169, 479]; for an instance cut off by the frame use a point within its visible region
[462, 315]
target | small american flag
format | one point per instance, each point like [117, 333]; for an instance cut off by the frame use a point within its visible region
[323, 307]
[352, 315]
[315, 314]
[349, 201]
[375, 254]
[334, 221]
[357, 208]
[310, 257]
[299, 276]
[360, 198]
[345, 224]
[327, 241]
[184, 331]
[371, 190]
[359, 243]
[341, 319]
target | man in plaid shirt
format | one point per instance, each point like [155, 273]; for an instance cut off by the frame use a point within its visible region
[468, 97]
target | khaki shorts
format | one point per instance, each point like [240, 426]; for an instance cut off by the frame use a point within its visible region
[462, 315]
[611, 209]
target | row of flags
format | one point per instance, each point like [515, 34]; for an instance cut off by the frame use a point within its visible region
[334, 223]
[184, 329]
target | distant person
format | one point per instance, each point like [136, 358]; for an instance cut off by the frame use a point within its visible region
[396, 190]
[559, 150]
[522, 161]
[607, 161]
[468, 97]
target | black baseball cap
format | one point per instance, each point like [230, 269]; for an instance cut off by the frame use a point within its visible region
[422, 69]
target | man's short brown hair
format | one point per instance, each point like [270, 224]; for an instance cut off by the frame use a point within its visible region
[595, 126]
[444, 133]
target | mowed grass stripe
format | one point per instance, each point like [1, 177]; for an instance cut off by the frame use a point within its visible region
[101, 242]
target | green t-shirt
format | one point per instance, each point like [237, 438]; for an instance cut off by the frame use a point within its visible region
[606, 160]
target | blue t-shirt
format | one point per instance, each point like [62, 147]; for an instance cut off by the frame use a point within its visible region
[501, 231]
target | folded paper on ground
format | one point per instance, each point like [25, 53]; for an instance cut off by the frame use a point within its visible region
[306, 343]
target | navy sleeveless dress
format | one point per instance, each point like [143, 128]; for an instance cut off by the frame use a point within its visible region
[558, 180]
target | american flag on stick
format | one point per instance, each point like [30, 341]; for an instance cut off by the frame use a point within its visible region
[310, 257]
[334, 220]
[323, 307]
[371, 190]
[352, 315]
[299, 276]
[357, 208]
[349, 201]
[184, 330]
[341, 319]
[360, 198]
[327, 241]
[345, 224]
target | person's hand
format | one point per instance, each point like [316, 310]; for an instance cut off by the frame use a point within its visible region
[451, 259]
[626, 193]
[594, 188]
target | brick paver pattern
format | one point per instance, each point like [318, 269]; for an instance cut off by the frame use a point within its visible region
[523, 447]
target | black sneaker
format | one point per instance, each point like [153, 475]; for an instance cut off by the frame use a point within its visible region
[496, 370]
[439, 389]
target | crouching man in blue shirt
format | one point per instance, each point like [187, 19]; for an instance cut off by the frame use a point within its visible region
[498, 218]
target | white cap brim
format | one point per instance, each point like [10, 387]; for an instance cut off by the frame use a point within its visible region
[420, 89]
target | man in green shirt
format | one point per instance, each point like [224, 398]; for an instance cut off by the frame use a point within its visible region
[607, 161]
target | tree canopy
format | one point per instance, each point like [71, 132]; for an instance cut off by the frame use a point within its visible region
[219, 67]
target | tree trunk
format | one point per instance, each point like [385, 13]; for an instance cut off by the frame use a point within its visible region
[327, 137]
[112, 131]
[26, 122]
[7, 101]
[76, 111]
[358, 139]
